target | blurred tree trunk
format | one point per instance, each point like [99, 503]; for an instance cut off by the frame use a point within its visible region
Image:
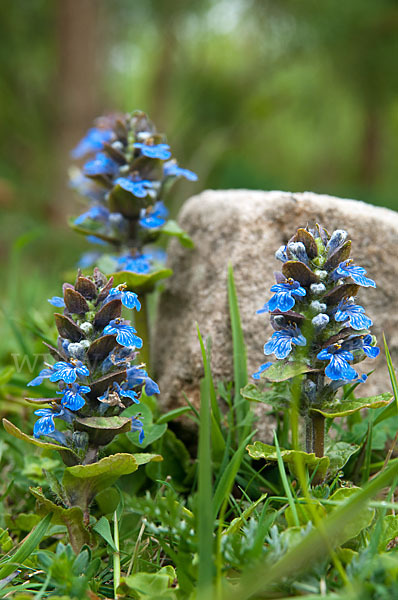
[76, 93]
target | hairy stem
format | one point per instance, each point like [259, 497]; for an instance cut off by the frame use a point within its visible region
[142, 326]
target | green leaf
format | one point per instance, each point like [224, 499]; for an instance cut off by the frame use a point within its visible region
[108, 500]
[71, 518]
[120, 200]
[147, 586]
[25, 550]
[172, 228]
[145, 458]
[342, 409]
[13, 430]
[255, 393]
[6, 374]
[283, 370]
[176, 462]
[259, 450]
[173, 414]
[304, 513]
[102, 430]
[92, 228]
[339, 454]
[22, 521]
[362, 518]
[83, 482]
[390, 531]
[103, 528]
[239, 522]
[140, 283]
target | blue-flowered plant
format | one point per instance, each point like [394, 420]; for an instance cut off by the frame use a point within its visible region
[94, 369]
[321, 332]
[127, 169]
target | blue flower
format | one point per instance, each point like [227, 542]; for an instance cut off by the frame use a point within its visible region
[46, 426]
[128, 299]
[93, 141]
[371, 351]
[171, 169]
[357, 274]
[140, 263]
[281, 342]
[261, 369]
[102, 164]
[155, 216]
[284, 298]
[355, 315]
[335, 385]
[154, 151]
[57, 301]
[85, 186]
[137, 425]
[137, 376]
[72, 397]
[93, 239]
[122, 390]
[68, 372]
[44, 374]
[88, 259]
[139, 188]
[125, 334]
[338, 367]
[95, 213]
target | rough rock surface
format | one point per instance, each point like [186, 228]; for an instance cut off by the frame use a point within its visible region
[245, 228]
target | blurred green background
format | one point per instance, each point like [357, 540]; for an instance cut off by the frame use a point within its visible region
[289, 94]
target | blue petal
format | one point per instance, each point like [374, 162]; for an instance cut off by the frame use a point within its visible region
[130, 300]
[57, 301]
[101, 165]
[300, 291]
[44, 374]
[138, 188]
[338, 368]
[151, 387]
[261, 369]
[63, 372]
[73, 400]
[129, 394]
[279, 344]
[156, 151]
[371, 351]
[283, 301]
[93, 141]
[83, 370]
[173, 170]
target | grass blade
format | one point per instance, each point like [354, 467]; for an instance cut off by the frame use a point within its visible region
[227, 479]
[205, 520]
[285, 483]
[27, 547]
[239, 354]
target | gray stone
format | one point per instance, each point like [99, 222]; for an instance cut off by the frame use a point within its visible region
[245, 228]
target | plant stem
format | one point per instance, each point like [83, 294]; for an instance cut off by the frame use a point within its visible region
[318, 432]
[116, 556]
[142, 326]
